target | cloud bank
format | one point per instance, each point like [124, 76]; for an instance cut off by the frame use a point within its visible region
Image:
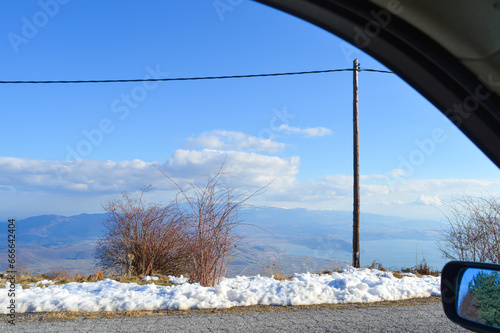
[250, 163]
[230, 140]
[307, 132]
[83, 175]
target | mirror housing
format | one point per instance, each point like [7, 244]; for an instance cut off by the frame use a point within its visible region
[458, 280]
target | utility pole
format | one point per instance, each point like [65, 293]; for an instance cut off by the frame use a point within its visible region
[355, 225]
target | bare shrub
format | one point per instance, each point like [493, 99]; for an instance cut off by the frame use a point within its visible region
[473, 230]
[210, 212]
[23, 271]
[192, 236]
[142, 238]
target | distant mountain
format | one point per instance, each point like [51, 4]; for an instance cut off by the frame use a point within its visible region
[297, 239]
[53, 230]
[302, 223]
[319, 235]
[49, 242]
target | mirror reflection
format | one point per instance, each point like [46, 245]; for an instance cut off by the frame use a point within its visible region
[479, 296]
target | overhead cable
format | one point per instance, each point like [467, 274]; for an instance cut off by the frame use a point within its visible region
[189, 78]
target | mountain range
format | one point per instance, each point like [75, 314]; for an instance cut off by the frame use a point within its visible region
[295, 239]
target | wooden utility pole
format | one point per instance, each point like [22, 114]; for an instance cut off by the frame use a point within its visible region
[355, 225]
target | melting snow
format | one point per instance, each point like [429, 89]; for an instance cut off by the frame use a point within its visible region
[352, 285]
[43, 282]
[178, 280]
[149, 278]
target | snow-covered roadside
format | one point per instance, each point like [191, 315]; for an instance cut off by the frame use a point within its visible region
[352, 285]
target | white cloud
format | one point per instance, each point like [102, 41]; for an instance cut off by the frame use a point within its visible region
[230, 140]
[396, 173]
[429, 201]
[477, 187]
[34, 181]
[307, 132]
[395, 202]
[409, 199]
[243, 168]
[92, 176]
[370, 190]
[76, 176]
[329, 192]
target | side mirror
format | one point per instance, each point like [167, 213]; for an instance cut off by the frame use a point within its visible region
[470, 292]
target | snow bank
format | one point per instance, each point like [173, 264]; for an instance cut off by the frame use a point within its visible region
[178, 280]
[353, 285]
[149, 278]
[43, 282]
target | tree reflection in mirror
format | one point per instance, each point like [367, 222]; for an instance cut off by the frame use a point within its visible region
[479, 296]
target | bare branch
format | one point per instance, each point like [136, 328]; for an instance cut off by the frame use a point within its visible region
[472, 232]
[213, 214]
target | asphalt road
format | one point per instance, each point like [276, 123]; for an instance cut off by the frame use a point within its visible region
[417, 318]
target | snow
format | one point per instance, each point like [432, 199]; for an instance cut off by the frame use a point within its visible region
[43, 282]
[173, 279]
[352, 285]
[149, 278]
[178, 280]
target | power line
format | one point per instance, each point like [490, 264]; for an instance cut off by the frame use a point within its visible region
[191, 78]
[375, 70]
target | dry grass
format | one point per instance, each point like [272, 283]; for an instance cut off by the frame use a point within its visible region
[64, 316]
[274, 270]
[59, 275]
[418, 270]
[376, 264]
[63, 276]
[338, 265]
[78, 277]
[23, 270]
[421, 269]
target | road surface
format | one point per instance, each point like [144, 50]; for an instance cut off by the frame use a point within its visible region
[415, 318]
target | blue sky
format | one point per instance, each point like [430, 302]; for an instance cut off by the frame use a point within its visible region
[65, 149]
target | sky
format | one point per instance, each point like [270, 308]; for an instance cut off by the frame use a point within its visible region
[68, 148]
